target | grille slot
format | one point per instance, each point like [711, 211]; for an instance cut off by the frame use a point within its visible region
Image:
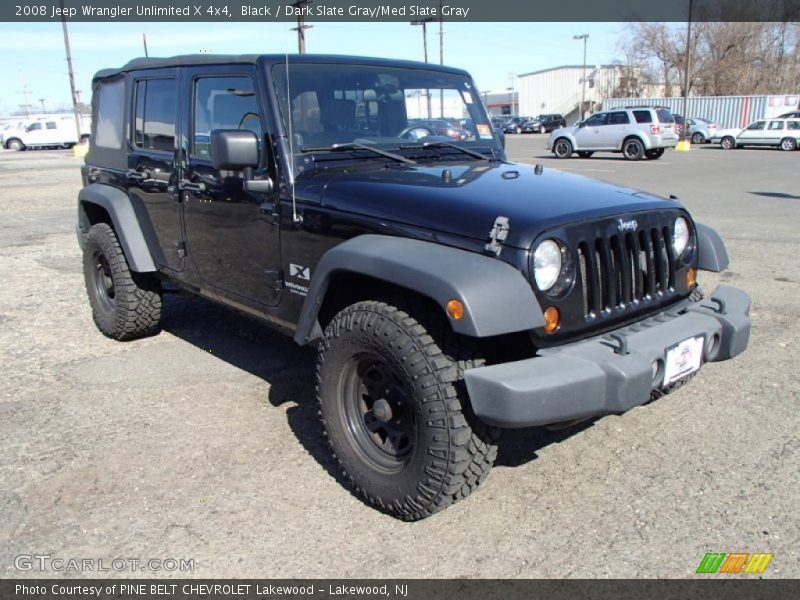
[625, 269]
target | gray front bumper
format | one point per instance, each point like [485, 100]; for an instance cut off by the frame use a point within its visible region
[609, 374]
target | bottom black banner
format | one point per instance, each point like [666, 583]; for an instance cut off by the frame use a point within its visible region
[395, 589]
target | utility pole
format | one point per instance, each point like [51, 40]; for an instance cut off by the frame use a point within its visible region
[301, 25]
[144, 41]
[686, 67]
[75, 110]
[584, 37]
[441, 55]
[42, 102]
[424, 23]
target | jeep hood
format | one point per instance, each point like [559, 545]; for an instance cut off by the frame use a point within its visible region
[465, 199]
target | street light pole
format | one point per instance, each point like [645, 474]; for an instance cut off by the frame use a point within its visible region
[584, 37]
[75, 109]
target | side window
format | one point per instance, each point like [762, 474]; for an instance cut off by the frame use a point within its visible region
[793, 125]
[775, 125]
[110, 106]
[596, 120]
[35, 126]
[223, 103]
[51, 125]
[618, 118]
[155, 114]
[643, 116]
[757, 126]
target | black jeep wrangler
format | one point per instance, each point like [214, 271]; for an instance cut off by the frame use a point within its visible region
[450, 293]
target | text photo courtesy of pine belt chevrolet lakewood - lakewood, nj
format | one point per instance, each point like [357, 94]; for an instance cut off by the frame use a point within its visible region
[469, 298]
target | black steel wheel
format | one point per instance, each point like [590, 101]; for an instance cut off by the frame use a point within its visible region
[125, 305]
[395, 411]
[633, 149]
[562, 148]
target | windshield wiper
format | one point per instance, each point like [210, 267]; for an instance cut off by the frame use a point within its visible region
[357, 146]
[474, 153]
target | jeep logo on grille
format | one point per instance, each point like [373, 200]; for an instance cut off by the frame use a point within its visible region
[631, 225]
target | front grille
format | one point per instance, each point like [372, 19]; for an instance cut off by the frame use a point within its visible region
[625, 269]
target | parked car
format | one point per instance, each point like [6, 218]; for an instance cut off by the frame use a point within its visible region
[680, 123]
[444, 128]
[449, 293]
[544, 123]
[498, 121]
[514, 124]
[640, 132]
[700, 130]
[795, 114]
[780, 133]
[53, 132]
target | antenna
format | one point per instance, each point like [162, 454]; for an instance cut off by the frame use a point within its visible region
[144, 41]
[296, 219]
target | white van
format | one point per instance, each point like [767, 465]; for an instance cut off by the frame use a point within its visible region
[51, 132]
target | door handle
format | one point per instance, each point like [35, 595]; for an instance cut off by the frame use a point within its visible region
[185, 185]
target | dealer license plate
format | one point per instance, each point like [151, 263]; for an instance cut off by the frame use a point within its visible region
[683, 359]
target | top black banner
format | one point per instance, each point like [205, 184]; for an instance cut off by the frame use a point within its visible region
[400, 10]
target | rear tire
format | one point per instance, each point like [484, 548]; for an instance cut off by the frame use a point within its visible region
[632, 149]
[125, 305]
[788, 144]
[728, 143]
[562, 148]
[395, 412]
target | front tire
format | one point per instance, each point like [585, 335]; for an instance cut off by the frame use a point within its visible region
[562, 148]
[395, 411]
[698, 138]
[15, 144]
[727, 143]
[542, 129]
[125, 305]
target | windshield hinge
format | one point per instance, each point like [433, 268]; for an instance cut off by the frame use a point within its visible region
[274, 279]
[498, 235]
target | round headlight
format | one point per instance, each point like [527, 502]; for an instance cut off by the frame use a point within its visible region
[547, 264]
[680, 235]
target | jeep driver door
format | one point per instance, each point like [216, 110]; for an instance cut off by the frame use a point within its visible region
[232, 235]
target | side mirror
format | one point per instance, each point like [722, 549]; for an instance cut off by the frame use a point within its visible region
[234, 149]
[581, 123]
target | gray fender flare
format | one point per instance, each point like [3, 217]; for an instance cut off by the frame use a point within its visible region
[129, 231]
[496, 297]
[711, 253]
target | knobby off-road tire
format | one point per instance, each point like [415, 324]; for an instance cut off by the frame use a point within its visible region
[125, 305]
[394, 408]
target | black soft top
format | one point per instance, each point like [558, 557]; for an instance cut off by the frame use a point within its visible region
[188, 60]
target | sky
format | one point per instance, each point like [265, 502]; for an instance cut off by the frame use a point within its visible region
[34, 57]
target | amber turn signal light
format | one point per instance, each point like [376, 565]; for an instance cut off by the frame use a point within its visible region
[691, 277]
[552, 319]
[455, 309]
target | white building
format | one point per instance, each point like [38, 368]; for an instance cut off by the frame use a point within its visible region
[559, 89]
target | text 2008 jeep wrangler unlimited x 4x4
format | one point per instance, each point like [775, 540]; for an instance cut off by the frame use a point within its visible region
[450, 293]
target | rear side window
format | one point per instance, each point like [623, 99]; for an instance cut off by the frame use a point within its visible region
[664, 116]
[156, 110]
[110, 106]
[793, 125]
[776, 125]
[618, 118]
[643, 116]
[51, 125]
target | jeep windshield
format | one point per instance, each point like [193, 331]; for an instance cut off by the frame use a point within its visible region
[332, 111]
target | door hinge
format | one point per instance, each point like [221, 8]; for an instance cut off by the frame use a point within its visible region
[180, 248]
[274, 279]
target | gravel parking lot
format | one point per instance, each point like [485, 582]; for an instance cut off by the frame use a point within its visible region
[202, 442]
